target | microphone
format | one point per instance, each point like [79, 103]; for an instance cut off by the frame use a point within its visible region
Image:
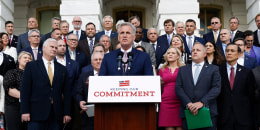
[130, 56]
[119, 60]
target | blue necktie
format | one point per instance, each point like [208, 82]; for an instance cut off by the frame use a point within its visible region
[77, 33]
[196, 74]
[190, 44]
[91, 45]
[169, 39]
[154, 46]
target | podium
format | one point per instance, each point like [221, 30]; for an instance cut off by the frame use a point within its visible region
[124, 102]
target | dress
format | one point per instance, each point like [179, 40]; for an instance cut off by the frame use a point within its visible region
[170, 105]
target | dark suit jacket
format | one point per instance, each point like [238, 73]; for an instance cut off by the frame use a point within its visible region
[36, 91]
[239, 34]
[82, 35]
[14, 41]
[196, 39]
[256, 43]
[81, 58]
[29, 49]
[48, 35]
[114, 42]
[141, 64]
[8, 64]
[23, 41]
[161, 48]
[250, 62]
[210, 37]
[87, 68]
[238, 101]
[145, 39]
[82, 89]
[84, 47]
[99, 34]
[256, 72]
[206, 89]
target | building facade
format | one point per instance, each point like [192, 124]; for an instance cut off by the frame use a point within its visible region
[151, 12]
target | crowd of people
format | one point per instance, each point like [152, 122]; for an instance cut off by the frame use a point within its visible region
[44, 78]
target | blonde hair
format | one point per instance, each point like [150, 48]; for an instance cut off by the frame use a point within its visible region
[24, 53]
[179, 62]
[182, 46]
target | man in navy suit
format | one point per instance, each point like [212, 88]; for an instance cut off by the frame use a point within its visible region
[236, 100]
[168, 28]
[81, 95]
[73, 74]
[55, 23]
[244, 60]
[141, 63]
[23, 41]
[159, 47]
[233, 25]
[190, 39]
[198, 85]
[77, 22]
[34, 49]
[45, 92]
[214, 34]
[257, 32]
[9, 28]
[108, 25]
[225, 37]
[73, 53]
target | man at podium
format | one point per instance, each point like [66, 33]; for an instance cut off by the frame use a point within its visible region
[126, 60]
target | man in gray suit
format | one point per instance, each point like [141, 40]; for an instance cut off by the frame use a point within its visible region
[148, 47]
[197, 85]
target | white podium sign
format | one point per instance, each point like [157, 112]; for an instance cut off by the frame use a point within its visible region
[124, 89]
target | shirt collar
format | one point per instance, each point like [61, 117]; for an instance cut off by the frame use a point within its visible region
[154, 43]
[201, 63]
[129, 50]
[234, 66]
[46, 61]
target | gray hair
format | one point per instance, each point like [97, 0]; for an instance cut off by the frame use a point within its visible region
[178, 22]
[107, 16]
[105, 36]
[94, 53]
[55, 18]
[64, 21]
[119, 22]
[71, 35]
[33, 30]
[127, 24]
[150, 29]
[234, 17]
[204, 48]
[46, 42]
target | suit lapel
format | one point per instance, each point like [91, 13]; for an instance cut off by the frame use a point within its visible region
[56, 73]
[190, 75]
[224, 77]
[43, 69]
[237, 76]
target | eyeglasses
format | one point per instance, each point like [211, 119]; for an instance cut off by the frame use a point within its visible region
[35, 36]
[74, 40]
[214, 22]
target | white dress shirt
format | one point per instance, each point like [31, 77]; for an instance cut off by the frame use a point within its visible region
[229, 69]
[154, 44]
[194, 67]
[79, 33]
[109, 32]
[241, 60]
[46, 65]
[61, 61]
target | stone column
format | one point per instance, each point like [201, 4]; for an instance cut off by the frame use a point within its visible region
[6, 12]
[88, 10]
[177, 10]
[253, 8]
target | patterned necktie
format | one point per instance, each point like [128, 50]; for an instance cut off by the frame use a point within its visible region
[190, 43]
[125, 60]
[50, 75]
[231, 77]
[10, 37]
[77, 33]
[91, 45]
[35, 54]
[196, 74]
[232, 38]
[215, 37]
[72, 55]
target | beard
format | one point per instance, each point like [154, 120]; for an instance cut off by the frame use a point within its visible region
[77, 26]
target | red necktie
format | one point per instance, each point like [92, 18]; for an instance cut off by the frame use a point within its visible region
[65, 39]
[231, 78]
[10, 40]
